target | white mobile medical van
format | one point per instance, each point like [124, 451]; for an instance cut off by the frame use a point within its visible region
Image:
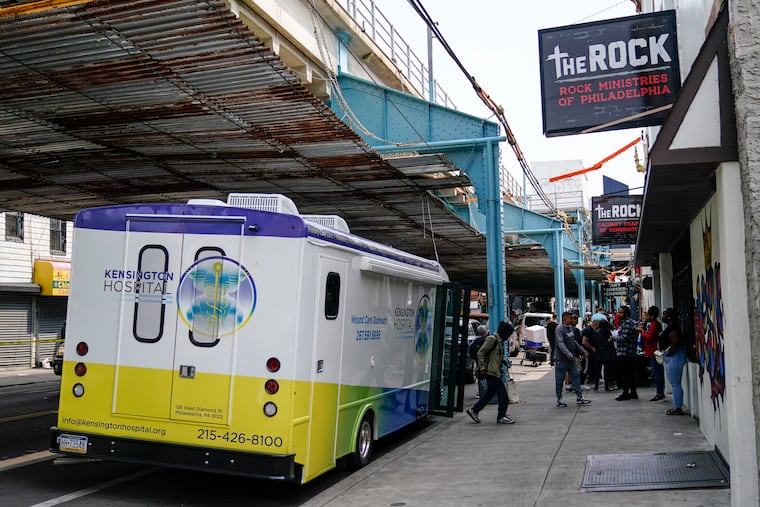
[243, 338]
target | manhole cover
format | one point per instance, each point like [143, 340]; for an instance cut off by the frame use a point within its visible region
[672, 470]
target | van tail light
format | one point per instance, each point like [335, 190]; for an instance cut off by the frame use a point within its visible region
[82, 348]
[80, 369]
[271, 386]
[273, 364]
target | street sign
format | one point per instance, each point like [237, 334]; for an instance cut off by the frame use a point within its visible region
[615, 289]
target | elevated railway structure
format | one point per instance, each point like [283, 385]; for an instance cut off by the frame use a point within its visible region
[107, 102]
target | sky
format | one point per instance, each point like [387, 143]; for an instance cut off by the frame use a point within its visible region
[497, 42]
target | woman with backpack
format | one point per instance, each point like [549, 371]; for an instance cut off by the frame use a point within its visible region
[483, 333]
[490, 361]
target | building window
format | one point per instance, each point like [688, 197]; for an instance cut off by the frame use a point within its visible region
[57, 236]
[14, 226]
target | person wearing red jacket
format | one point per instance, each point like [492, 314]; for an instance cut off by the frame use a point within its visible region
[650, 330]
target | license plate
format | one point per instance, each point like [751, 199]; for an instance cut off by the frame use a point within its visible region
[72, 443]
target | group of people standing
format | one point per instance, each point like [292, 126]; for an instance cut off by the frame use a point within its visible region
[601, 348]
[606, 350]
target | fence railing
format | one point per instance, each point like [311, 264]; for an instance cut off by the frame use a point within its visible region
[382, 32]
[510, 185]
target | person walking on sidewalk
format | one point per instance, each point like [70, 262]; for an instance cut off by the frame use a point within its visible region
[490, 361]
[483, 332]
[565, 351]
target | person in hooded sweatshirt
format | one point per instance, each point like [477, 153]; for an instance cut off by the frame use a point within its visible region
[490, 361]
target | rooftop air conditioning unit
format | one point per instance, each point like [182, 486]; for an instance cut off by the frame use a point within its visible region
[332, 221]
[275, 203]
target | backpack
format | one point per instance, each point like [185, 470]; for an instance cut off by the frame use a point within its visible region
[475, 347]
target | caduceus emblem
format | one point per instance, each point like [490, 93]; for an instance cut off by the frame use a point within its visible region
[216, 297]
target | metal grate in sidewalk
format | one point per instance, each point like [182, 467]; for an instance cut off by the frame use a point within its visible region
[639, 472]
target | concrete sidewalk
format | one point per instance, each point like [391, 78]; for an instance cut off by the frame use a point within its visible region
[13, 377]
[539, 460]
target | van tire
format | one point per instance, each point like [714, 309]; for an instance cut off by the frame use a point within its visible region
[363, 444]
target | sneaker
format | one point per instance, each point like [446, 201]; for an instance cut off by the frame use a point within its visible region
[473, 415]
[505, 420]
[561, 403]
[623, 397]
[584, 387]
[568, 387]
[658, 397]
[582, 401]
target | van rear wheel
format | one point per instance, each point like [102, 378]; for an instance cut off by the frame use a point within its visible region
[364, 443]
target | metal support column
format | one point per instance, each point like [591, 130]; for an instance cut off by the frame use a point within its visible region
[580, 281]
[557, 259]
[496, 275]
[579, 274]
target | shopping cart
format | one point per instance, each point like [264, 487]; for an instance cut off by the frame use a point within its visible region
[536, 345]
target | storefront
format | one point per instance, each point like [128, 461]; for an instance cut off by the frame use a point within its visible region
[692, 235]
[32, 315]
[53, 278]
[16, 346]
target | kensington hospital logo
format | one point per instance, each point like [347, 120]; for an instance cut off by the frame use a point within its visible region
[216, 297]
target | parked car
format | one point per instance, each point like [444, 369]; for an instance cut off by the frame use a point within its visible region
[58, 358]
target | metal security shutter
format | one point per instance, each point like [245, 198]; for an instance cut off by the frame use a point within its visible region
[51, 311]
[15, 330]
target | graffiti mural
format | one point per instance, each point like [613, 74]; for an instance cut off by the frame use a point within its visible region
[708, 325]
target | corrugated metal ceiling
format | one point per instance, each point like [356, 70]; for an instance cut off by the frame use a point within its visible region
[159, 100]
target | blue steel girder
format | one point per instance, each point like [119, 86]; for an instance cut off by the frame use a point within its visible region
[399, 118]
[555, 238]
[538, 227]
[400, 122]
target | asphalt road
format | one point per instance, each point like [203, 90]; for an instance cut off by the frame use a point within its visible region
[27, 412]
[30, 476]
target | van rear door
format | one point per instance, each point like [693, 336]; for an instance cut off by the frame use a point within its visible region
[177, 341]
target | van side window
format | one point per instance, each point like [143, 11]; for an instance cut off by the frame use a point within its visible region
[332, 296]
[150, 308]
